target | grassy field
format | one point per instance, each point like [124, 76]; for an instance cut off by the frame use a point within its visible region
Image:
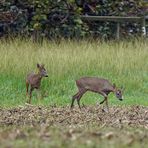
[124, 63]
[50, 122]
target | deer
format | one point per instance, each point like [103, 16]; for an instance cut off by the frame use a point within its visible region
[34, 80]
[97, 85]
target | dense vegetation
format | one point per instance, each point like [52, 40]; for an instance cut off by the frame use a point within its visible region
[61, 18]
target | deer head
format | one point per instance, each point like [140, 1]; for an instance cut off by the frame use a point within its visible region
[42, 71]
[118, 92]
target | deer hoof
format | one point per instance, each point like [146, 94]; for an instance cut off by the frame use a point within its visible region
[105, 110]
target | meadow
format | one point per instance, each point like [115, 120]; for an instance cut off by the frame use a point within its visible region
[123, 63]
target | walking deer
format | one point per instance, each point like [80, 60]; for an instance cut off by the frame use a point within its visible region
[97, 85]
[34, 80]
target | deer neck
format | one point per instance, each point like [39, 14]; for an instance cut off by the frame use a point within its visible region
[39, 76]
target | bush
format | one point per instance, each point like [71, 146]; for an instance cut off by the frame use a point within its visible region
[61, 18]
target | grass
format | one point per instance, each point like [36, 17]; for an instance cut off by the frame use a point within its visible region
[124, 63]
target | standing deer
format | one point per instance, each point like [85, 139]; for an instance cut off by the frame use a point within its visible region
[97, 85]
[34, 80]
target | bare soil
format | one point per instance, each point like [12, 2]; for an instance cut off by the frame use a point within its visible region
[61, 127]
[136, 116]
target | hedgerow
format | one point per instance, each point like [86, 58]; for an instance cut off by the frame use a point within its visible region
[62, 18]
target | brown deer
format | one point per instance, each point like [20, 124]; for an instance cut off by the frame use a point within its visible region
[34, 80]
[97, 85]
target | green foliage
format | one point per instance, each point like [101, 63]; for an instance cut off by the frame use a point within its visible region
[61, 18]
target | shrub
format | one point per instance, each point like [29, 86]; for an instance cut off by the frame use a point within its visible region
[61, 18]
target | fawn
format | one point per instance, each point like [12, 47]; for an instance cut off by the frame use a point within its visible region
[34, 80]
[97, 85]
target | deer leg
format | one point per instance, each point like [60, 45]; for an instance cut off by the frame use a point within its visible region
[73, 99]
[72, 103]
[79, 97]
[30, 94]
[76, 95]
[105, 96]
[78, 101]
[102, 101]
[106, 102]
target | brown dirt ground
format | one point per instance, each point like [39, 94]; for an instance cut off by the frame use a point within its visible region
[61, 127]
[135, 116]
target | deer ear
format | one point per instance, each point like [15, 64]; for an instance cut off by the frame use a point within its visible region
[38, 65]
[114, 85]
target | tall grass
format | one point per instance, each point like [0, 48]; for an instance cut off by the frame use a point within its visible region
[124, 63]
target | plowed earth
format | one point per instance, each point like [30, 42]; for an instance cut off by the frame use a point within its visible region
[61, 127]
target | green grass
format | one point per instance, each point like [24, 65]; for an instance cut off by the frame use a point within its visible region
[124, 63]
